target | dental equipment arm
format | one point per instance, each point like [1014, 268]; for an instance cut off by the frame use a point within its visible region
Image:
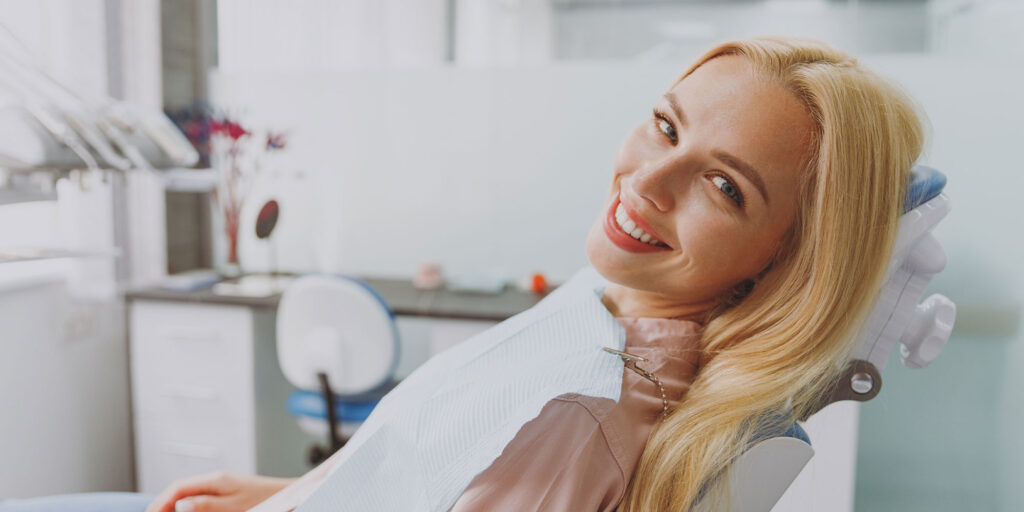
[123, 137]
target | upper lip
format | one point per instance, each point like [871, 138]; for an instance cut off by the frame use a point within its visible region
[635, 217]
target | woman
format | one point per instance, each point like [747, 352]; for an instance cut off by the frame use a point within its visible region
[748, 227]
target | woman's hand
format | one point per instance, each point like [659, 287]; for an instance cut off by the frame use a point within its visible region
[217, 492]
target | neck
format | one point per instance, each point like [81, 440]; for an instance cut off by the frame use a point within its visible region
[623, 301]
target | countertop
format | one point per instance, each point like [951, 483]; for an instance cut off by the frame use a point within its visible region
[398, 293]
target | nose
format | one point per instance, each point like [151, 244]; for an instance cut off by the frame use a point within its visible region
[656, 182]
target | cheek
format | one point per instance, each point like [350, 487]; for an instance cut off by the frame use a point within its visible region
[723, 252]
[707, 238]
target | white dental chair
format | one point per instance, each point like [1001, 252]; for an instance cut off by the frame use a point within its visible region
[337, 339]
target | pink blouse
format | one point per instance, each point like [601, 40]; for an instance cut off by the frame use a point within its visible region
[580, 452]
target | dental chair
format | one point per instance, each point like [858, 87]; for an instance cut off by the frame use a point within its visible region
[338, 344]
[921, 328]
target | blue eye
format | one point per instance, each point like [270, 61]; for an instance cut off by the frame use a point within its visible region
[665, 127]
[728, 188]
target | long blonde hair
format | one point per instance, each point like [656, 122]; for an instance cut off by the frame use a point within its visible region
[780, 349]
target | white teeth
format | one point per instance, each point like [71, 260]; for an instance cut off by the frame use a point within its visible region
[631, 229]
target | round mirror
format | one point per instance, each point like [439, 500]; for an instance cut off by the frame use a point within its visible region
[267, 219]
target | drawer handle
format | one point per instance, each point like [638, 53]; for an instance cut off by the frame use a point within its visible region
[191, 393]
[194, 337]
[195, 451]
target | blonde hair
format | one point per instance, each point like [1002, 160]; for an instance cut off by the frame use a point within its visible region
[780, 348]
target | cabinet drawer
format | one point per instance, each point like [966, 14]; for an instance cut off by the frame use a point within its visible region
[172, 448]
[191, 353]
[193, 420]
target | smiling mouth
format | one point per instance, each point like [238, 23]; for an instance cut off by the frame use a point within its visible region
[629, 227]
[618, 218]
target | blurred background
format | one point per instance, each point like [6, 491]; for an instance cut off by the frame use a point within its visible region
[467, 138]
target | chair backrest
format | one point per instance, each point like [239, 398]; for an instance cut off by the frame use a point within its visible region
[900, 317]
[763, 473]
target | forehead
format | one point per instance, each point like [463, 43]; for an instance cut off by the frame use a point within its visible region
[731, 106]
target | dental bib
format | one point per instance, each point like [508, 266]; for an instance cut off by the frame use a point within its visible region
[450, 419]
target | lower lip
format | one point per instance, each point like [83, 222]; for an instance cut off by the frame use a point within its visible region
[621, 239]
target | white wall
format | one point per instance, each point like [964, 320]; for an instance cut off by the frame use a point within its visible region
[261, 35]
[482, 171]
[503, 33]
[51, 29]
[983, 27]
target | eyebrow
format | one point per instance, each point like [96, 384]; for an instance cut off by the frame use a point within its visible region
[742, 167]
[671, 99]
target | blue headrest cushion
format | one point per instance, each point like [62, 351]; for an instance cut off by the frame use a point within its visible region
[780, 425]
[311, 404]
[925, 184]
[798, 432]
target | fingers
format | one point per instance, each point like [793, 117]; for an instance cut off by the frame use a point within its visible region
[204, 504]
[211, 484]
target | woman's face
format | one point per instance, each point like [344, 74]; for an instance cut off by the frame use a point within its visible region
[707, 187]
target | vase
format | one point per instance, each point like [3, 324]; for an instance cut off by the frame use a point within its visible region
[230, 270]
[231, 267]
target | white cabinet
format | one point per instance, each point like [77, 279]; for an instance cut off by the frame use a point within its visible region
[208, 394]
[63, 387]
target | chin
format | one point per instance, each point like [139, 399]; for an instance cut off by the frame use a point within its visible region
[622, 268]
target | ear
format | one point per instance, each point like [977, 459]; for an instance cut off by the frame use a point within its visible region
[745, 287]
[731, 297]
[737, 293]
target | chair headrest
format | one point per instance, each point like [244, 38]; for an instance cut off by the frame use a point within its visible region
[925, 184]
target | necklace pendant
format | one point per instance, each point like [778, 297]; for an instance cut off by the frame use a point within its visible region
[626, 356]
